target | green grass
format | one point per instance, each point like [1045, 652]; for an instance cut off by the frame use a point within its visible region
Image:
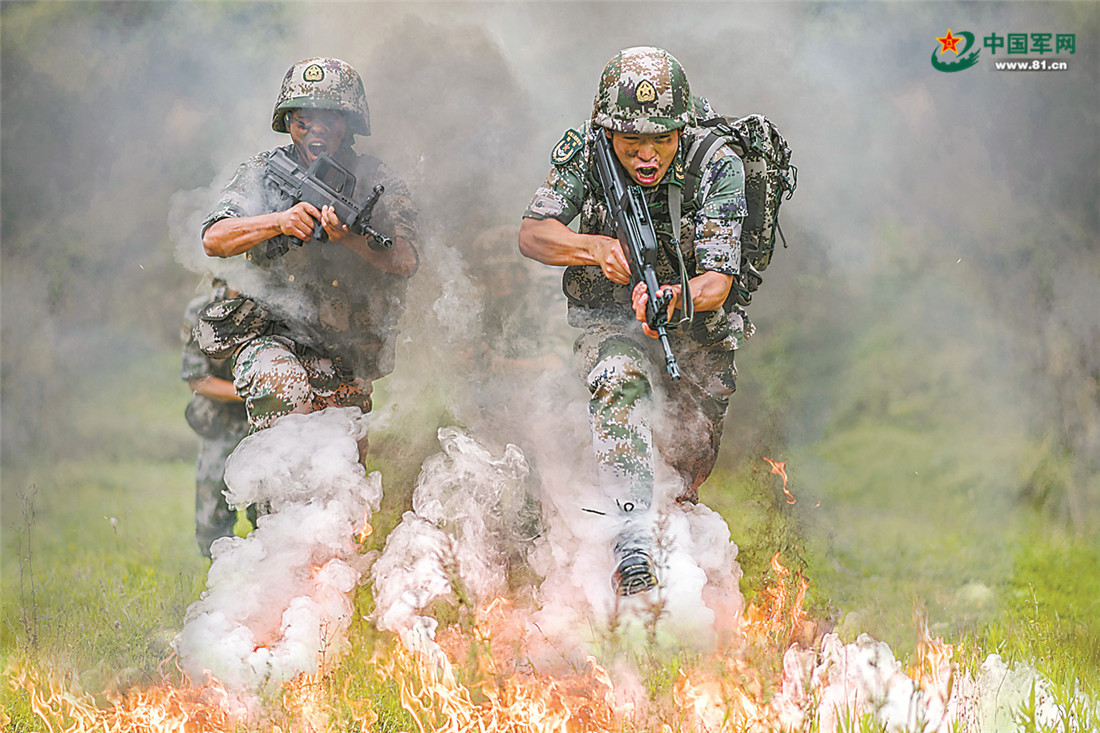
[110, 569]
[99, 560]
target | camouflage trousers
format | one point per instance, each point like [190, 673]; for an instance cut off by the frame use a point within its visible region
[637, 412]
[277, 377]
[213, 517]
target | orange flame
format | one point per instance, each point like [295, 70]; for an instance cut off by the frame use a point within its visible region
[365, 531]
[779, 468]
[776, 618]
[168, 708]
[730, 700]
[432, 694]
[482, 679]
[498, 690]
[154, 710]
[306, 700]
[932, 668]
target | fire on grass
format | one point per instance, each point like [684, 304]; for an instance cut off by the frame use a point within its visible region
[484, 674]
[485, 681]
[499, 688]
[172, 708]
[166, 707]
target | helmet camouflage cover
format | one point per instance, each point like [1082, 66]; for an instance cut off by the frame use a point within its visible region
[643, 90]
[321, 83]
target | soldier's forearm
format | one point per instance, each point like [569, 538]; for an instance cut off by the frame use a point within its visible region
[552, 243]
[232, 236]
[709, 290]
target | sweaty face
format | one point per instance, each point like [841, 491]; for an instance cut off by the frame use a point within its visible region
[646, 157]
[316, 131]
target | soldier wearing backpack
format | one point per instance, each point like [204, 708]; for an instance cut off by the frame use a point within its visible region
[644, 105]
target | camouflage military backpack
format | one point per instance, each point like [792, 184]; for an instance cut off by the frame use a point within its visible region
[770, 179]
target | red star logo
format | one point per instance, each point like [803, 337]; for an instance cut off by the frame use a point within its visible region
[949, 43]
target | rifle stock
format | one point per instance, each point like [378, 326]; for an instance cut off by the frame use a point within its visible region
[638, 238]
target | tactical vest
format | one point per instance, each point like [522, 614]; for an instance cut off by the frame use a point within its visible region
[592, 296]
[325, 296]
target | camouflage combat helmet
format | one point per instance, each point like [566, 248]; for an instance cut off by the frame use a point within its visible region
[643, 90]
[322, 83]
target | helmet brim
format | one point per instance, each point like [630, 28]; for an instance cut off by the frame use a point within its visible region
[356, 124]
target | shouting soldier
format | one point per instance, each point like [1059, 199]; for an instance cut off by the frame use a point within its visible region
[644, 108]
[315, 324]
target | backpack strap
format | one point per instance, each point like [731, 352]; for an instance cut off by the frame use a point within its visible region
[687, 306]
[700, 153]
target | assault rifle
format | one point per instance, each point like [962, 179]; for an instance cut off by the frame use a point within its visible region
[638, 238]
[325, 183]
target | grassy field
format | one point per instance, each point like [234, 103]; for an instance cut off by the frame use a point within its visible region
[99, 561]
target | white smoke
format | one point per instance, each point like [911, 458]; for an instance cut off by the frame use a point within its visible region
[277, 603]
[472, 514]
[696, 605]
[476, 517]
[841, 683]
[187, 211]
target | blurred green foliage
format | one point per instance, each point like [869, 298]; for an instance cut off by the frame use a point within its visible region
[927, 362]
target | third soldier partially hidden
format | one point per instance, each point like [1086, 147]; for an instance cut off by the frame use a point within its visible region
[644, 106]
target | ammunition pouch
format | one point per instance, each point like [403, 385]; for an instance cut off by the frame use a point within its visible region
[226, 325]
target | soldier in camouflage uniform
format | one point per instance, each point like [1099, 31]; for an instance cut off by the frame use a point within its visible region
[644, 105]
[217, 414]
[317, 325]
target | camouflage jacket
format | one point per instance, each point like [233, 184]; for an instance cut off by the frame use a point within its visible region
[323, 295]
[710, 227]
[208, 417]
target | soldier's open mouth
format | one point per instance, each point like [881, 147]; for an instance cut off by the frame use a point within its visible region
[317, 149]
[646, 173]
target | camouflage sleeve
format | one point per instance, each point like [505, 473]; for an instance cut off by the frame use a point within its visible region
[242, 196]
[718, 221]
[194, 364]
[396, 210]
[561, 194]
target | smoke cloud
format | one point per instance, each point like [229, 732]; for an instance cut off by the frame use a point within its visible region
[276, 603]
[844, 682]
[941, 276]
[476, 518]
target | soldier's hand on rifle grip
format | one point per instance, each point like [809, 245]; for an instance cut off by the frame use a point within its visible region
[608, 254]
[334, 228]
[639, 301]
[298, 221]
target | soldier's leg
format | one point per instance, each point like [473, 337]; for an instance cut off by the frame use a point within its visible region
[620, 411]
[694, 415]
[272, 381]
[213, 517]
[333, 388]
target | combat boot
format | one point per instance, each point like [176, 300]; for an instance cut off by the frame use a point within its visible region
[635, 572]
